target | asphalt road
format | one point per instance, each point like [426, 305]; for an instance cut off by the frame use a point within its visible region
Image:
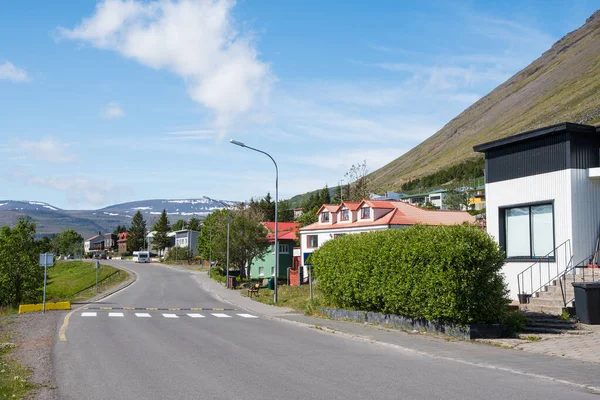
[231, 356]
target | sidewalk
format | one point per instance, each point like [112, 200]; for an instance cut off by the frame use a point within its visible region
[572, 360]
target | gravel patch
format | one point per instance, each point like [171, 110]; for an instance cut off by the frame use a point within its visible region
[34, 335]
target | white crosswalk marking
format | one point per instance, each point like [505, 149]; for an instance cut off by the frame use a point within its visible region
[219, 315]
[142, 315]
[170, 316]
[247, 315]
[88, 314]
[196, 315]
[115, 314]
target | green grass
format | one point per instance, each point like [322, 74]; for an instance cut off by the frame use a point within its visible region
[295, 297]
[67, 279]
[13, 377]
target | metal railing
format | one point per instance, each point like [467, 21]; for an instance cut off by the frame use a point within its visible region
[588, 272]
[547, 269]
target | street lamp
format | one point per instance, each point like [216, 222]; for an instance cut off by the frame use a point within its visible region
[228, 224]
[232, 141]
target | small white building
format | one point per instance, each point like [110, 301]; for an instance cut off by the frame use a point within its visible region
[368, 216]
[542, 191]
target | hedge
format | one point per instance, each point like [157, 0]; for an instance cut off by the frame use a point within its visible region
[438, 273]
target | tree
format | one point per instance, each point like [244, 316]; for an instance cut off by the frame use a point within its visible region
[360, 187]
[136, 238]
[161, 241]
[179, 225]
[21, 277]
[337, 195]
[68, 242]
[194, 224]
[119, 229]
[324, 196]
[285, 211]
[248, 238]
[458, 198]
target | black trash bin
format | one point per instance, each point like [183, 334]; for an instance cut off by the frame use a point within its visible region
[271, 284]
[587, 302]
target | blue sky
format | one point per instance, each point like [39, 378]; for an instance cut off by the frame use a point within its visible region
[115, 101]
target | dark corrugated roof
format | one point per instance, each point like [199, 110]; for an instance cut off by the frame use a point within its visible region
[546, 131]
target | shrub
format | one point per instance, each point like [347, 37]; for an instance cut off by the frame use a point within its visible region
[442, 273]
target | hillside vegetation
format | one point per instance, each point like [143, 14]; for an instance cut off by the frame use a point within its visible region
[562, 85]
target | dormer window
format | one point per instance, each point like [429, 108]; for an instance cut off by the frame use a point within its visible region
[325, 216]
[365, 213]
[345, 215]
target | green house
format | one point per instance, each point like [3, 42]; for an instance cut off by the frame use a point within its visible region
[287, 240]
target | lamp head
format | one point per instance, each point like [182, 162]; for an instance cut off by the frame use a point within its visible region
[233, 141]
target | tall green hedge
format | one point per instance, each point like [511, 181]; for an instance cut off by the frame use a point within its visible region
[441, 273]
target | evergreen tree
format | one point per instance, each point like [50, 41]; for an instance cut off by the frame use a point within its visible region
[137, 233]
[337, 195]
[179, 225]
[119, 229]
[325, 197]
[194, 224]
[161, 241]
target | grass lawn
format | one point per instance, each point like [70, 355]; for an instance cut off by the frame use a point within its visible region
[76, 280]
[296, 297]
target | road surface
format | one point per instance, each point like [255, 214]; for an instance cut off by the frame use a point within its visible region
[129, 347]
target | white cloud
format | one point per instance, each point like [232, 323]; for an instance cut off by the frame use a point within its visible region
[11, 73]
[195, 39]
[113, 110]
[80, 190]
[191, 134]
[47, 149]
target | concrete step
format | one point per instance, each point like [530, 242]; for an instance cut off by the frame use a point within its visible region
[556, 289]
[567, 325]
[546, 309]
[547, 301]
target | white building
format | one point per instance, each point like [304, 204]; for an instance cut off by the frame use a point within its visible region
[543, 202]
[370, 215]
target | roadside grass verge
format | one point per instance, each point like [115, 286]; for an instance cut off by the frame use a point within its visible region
[13, 377]
[76, 280]
[295, 297]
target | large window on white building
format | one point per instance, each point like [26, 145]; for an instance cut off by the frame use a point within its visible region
[529, 231]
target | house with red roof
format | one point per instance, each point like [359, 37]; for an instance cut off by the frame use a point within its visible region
[94, 244]
[122, 242]
[368, 216]
[286, 237]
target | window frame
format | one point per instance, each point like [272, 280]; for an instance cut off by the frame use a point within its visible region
[362, 213]
[345, 211]
[261, 271]
[325, 216]
[503, 231]
[286, 246]
[308, 241]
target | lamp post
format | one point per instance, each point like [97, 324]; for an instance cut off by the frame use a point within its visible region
[232, 141]
[228, 225]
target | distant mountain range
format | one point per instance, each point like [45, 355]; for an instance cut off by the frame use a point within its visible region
[52, 219]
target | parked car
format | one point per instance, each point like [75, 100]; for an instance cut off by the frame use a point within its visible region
[103, 256]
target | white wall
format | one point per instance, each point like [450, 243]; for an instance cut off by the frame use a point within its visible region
[325, 235]
[550, 187]
[585, 213]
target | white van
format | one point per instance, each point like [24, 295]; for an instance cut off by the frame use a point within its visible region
[141, 256]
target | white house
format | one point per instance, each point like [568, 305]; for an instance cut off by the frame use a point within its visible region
[542, 191]
[370, 215]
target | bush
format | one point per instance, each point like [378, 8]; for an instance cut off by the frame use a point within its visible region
[126, 254]
[442, 273]
[179, 254]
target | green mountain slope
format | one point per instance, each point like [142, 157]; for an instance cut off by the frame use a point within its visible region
[562, 85]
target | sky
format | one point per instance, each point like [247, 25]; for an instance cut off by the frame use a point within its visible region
[123, 100]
